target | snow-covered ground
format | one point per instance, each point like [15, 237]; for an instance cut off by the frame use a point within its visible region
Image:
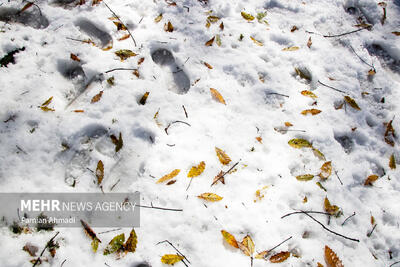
[48, 151]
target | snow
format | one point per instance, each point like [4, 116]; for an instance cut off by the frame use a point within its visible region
[35, 161]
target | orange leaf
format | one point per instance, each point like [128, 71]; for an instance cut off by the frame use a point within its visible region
[312, 111]
[208, 65]
[280, 257]
[222, 156]
[230, 239]
[308, 93]
[259, 139]
[75, 57]
[288, 124]
[140, 61]
[168, 176]
[370, 179]
[79, 110]
[210, 42]
[217, 96]
[331, 259]
[97, 97]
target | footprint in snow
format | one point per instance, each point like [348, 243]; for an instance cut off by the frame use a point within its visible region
[99, 37]
[176, 78]
[32, 17]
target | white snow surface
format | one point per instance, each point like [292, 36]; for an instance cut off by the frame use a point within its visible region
[34, 161]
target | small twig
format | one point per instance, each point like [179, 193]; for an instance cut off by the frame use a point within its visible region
[279, 244]
[109, 231]
[166, 241]
[372, 66]
[73, 39]
[63, 263]
[277, 94]
[140, 20]
[171, 145]
[20, 149]
[342, 34]
[184, 109]
[19, 217]
[130, 34]
[187, 188]
[47, 244]
[297, 212]
[338, 178]
[112, 187]
[333, 88]
[157, 208]
[166, 129]
[373, 229]
[223, 175]
[354, 214]
[394, 263]
[117, 69]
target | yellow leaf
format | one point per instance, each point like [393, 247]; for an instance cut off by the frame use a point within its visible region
[156, 119]
[168, 176]
[259, 195]
[318, 154]
[326, 170]
[247, 16]
[288, 124]
[100, 172]
[197, 170]
[291, 48]
[331, 209]
[371, 72]
[171, 259]
[95, 244]
[392, 162]
[97, 97]
[47, 102]
[309, 94]
[370, 179]
[212, 19]
[247, 246]
[124, 54]
[131, 243]
[280, 257]
[168, 27]
[217, 96]
[262, 255]
[312, 111]
[299, 143]
[47, 109]
[210, 42]
[305, 177]
[222, 156]
[210, 197]
[331, 259]
[309, 42]
[305, 199]
[230, 239]
[158, 18]
[351, 102]
[256, 41]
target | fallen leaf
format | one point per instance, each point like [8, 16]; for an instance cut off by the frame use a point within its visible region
[89, 232]
[309, 94]
[222, 156]
[218, 40]
[259, 139]
[302, 74]
[247, 16]
[210, 42]
[168, 27]
[136, 73]
[111, 80]
[100, 172]
[47, 102]
[47, 109]
[305, 199]
[294, 28]
[312, 111]
[171, 259]
[221, 26]
[392, 162]
[217, 96]
[247, 246]
[305, 177]
[219, 177]
[331, 259]
[126, 36]
[371, 72]
[140, 60]
[396, 33]
[212, 19]
[280, 257]
[131, 243]
[75, 57]
[208, 65]
[124, 54]
[120, 26]
[318, 154]
[210, 197]
[256, 41]
[79, 110]
[291, 48]
[371, 179]
[115, 244]
[168, 176]
[288, 124]
[28, 5]
[319, 264]
[95, 244]
[197, 170]
[31, 249]
[389, 133]
[351, 102]
[230, 239]
[309, 42]
[299, 143]
[262, 255]
[96, 2]
[259, 195]
[158, 18]
[372, 220]
[326, 170]
[97, 97]
[144, 98]
[331, 209]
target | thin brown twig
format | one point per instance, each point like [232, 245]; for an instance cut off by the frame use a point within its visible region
[354, 214]
[166, 129]
[333, 88]
[394, 263]
[117, 69]
[157, 208]
[338, 178]
[287, 239]
[63, 263]
[362, 60]
[130, 34]
[373, 229]
[113, 230]
[41, 254]
[184, 109]
[223, 175]
[342, 34]
[297, 212]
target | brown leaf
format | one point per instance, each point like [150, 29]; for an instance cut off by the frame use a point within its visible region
[210, 42]
[312, 111]
[100, 172]
[389, 133]
[326, 170]
[294, 28]
[97, 97]
[171, 182]
[140, 61]
[136, 73]
[331, 209]
[47, 102]
[28, 5]
[131, 242]
[79, 110]
[309, 42]
[75, 57]
[221, 26]
[47, 109]
[396, 33]
[331, 259]
[319, 264]
[288, 124]
[371, 179]
[230, 239]
[217, 96]
[89, 231]
[219, 177]
[144, 98]
[208, 65]
[120, 26]
[280, 257]
[120, 143]
[96, 2]
[371, 72]
[259, 139]
[31, 249]
[168, 27]
[222, 156]
[168, 176]
[126, 36]
[392, 162]
[351, 102]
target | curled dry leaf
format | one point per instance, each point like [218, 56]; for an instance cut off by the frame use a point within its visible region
[259, 139]
[221, 26]
[299, 143]
[247, 246]
[309, 42]
[331, 259]
[197, 170]
[171, 259]
[371, 179]
[309, 94]
[219, 177]
[119, 144]
[312, 111]
[210, 197]
[120, 26]
[208, 65]
[75, 57]
[144, 98]
[256, 41]
[124, 54]
[158, 18]
[168, 27]
[97, 97]
[171, 182]
[222, 156]
[291, 48]
[331, 209]
[351, 102]
[126, 36]
[326, 170]
[294, 28]
[100, 172]
[230, 239]
[140, 60]
[371, 72]
[210, 42]
[168, 176]
[216, 95]
[392, 162]
[247, 16]
[305, 177]
[280, 257]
